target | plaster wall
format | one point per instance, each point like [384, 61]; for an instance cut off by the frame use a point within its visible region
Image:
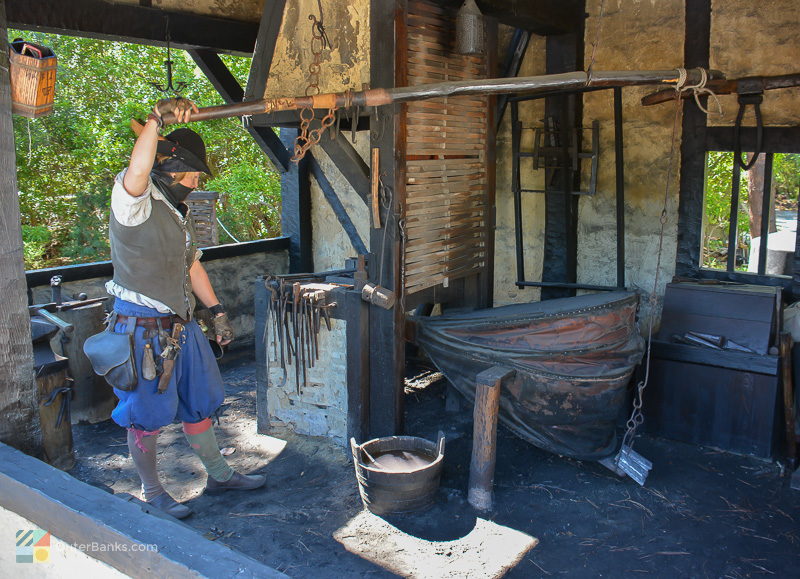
[633, 35]
[318, 407]
[746, 40]
[344, 66]
[330, 244]
[757, 39]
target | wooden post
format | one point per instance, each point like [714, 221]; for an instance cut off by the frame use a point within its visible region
[788, 397]
[296, 209]
[19, 422]
[386, 327]
[484, 435]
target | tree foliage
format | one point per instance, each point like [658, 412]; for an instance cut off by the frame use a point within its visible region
[717, 202]
[66, 162]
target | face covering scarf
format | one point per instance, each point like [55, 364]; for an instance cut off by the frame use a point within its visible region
[175, 193]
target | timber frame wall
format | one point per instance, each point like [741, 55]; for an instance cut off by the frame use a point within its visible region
[698, 138]
[381, 363]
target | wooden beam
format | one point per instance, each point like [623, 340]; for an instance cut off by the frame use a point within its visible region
[356, 312]
[774, 139]
[538, 16]
[511, 66]
[564, 53]
[79, 514]
[136, 24]
[19, 419]
[696, 52]
[386, 327]
[349, 162]
[296, 210]
[268, 30]
[485, 282]
[336, 205]
[228, 87]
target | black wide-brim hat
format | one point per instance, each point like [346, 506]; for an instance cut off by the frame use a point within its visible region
[186, 151]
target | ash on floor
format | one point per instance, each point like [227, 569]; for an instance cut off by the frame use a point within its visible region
[703, 513]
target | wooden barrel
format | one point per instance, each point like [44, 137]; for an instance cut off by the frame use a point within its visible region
[398, 474]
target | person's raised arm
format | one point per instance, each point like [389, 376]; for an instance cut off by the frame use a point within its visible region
[144, 151]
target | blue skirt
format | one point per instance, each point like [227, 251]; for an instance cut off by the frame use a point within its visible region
[195, 390]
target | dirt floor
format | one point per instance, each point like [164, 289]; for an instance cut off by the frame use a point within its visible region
[703, 513]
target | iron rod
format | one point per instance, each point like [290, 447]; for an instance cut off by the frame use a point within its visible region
[516, 187]
[733, 233]
[619, 169]
[766, 206]
[567, 285]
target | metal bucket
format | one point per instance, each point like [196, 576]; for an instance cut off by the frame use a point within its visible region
[398, 474]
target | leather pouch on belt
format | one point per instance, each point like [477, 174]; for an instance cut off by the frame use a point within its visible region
[111, 354]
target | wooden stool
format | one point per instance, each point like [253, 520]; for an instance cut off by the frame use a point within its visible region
[484, 436]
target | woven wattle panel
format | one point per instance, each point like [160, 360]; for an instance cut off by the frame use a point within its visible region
[445, 189]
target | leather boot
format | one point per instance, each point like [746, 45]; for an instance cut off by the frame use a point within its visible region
[167, 504]
[238, 482]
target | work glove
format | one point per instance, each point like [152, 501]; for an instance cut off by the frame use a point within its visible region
[180, 108]
[222, 329]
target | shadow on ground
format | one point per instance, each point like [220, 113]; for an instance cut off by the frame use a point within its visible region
[703, 513]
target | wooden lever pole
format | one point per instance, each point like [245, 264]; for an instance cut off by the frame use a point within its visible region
[516, 85]
[722, 86]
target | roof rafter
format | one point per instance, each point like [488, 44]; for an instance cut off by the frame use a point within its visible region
[130, 23]
[537, 16]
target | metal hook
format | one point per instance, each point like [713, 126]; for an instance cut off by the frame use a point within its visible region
[170, 87]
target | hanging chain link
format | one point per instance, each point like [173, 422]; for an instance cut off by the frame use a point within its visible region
[309, 137]
[637, 417]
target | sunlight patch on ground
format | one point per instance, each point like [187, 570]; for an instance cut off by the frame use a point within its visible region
[488, 550]
[268, 446]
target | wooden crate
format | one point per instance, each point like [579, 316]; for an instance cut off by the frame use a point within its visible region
[203, 205]
[33, 79]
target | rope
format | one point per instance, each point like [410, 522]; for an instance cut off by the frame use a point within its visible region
[697, 89]
[637, 417]
[596, 42]
[225, 229]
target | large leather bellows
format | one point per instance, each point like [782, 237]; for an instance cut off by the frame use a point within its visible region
[111, 355]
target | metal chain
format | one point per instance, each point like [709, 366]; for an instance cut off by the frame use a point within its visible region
[637, 417]
[309, 137]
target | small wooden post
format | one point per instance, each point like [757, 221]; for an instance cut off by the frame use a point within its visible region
[788, 397]
[484, 438]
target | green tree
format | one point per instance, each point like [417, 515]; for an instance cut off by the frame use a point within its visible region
[66, 162]
[717, 201]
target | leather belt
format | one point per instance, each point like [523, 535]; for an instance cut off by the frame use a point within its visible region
[162, 322]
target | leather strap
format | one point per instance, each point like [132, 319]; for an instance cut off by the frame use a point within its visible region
[161, 322]
[168, 364]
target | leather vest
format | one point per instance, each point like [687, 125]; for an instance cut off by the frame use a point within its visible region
[154, 258]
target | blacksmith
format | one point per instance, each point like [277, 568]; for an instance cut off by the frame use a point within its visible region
[157, 274]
